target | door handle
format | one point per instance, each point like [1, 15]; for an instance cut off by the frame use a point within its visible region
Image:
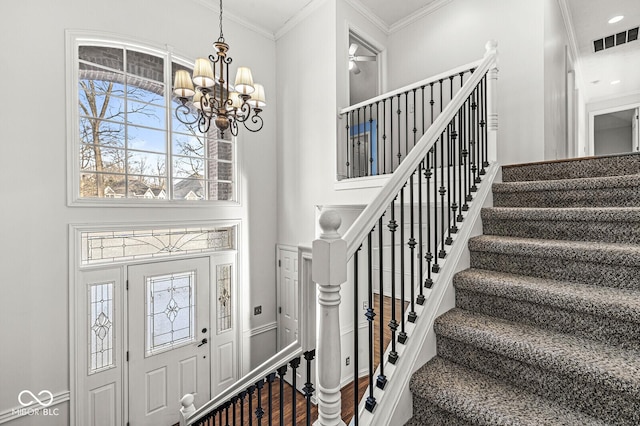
[204, 342]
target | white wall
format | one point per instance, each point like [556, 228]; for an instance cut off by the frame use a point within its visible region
[456, 34]
[556, 41]
[33, 151]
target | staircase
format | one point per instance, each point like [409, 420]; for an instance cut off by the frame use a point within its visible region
[546, 328]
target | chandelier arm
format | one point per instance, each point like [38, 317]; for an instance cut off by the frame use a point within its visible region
[183, 110]
[255, 119]
[233, 126]
[243, 112]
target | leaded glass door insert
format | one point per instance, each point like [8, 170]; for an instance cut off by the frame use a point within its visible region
[170, 311]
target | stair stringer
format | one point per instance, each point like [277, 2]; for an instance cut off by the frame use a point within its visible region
[395, 402]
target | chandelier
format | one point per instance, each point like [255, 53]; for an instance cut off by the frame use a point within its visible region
[206, 94]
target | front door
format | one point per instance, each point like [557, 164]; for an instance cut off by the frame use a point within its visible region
[168, 312]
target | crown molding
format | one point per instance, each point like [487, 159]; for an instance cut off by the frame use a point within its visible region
[238, 20]
[419, 14]
[368, 13]
[307, 10]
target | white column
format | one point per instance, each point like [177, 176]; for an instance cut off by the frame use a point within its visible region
[492, 102]
[329, 271]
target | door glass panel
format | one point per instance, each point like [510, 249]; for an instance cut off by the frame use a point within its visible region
[101, 327]
[170, 309]
[223, 280]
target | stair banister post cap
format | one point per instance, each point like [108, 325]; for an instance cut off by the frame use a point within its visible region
[187, 400]
[491, 47]
[330, 222]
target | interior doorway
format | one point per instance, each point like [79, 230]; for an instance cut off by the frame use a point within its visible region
[616, 132]
[364, 69]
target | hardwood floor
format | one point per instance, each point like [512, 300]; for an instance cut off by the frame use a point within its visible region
[347, 392]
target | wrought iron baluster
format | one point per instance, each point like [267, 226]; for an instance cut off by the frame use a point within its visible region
[378, 168]
[393, 323]
[412, 246]
[398, 112]
[384, 135]
[461, 136]
[474, 146]
[371, 400]
[391, 131]
[356, 319]
[259, 409]
[483, 125]
[402, 336]
[465, 154]
[294, 364]
[381, 381]
[435, 267]
[250, 392]
[421, 298]
[428, 283]
[370, 140]
[282, 371]
[358, 156]
[308, 386]
[270, 379]
[242, 396]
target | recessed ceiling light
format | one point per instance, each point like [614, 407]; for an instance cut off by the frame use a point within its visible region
[616, 19]
[615, 82]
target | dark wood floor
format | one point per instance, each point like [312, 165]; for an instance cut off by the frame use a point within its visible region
[347, 392]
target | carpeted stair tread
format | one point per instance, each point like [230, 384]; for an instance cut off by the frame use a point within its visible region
[577, 214]
[622, 304]
[611, 165]
[482, 400]
[582, 251]
[605, 365]
[602, 182]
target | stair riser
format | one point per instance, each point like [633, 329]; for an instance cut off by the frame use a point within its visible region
[559, 269]
[593, 167]
[601, 328]
[603, 197]
[608, 232]
[577, 392]
[426, 413]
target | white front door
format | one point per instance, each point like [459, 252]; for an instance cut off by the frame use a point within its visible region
[168, 312]
[287, 297]
[635, 128]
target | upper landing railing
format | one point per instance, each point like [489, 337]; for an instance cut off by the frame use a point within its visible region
[378, 134]
[439, 151]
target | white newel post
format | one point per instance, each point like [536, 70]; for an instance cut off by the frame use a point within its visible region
[329, 271]
[187, 408]
[492, 102]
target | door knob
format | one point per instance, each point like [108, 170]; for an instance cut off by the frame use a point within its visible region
[204, 342]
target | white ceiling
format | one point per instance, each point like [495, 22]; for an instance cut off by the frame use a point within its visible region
[588, 22]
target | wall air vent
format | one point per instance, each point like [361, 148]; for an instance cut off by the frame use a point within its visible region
[615, 39]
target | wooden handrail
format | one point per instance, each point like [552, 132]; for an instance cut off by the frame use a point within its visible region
[358, 231]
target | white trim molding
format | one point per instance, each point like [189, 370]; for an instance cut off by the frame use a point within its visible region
[264, 328]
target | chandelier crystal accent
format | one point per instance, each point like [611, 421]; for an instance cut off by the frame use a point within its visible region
[206, 95]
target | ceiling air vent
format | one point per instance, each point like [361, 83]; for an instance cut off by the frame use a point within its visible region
[615, 39]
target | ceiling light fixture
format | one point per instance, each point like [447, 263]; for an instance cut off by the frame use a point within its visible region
[207, 95]
[614, 82]
[616, 19]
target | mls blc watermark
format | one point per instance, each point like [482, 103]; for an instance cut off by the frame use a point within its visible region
[28, 399]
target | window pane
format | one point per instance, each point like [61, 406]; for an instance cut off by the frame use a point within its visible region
[147, 187]
[224, 191]
[147, 139]
[225, 151]
[223, 281]
[188, 145]
[99, 132]
[225, 171]
[102, 185]
[188, 167]
[107, 56]
[146, 114]
[142, 90]
[144, 65]
[189, 189]
[146, 163]
[102, 159]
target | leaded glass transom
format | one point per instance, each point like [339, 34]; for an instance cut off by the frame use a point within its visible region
[101, 333]
[127, 245]
[170, 311]
[223, 280]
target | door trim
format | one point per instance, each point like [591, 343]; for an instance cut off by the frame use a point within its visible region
[291, 248]
[594, 113]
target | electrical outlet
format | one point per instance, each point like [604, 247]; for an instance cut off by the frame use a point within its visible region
[257, 310]
[348, 360]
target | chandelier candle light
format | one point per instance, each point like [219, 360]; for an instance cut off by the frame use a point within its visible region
[208, 97]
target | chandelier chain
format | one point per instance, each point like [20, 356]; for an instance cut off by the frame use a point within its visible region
[221, 38]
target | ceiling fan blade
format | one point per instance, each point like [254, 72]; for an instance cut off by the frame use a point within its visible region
[364, 58]
[352, 49]
[355, 69]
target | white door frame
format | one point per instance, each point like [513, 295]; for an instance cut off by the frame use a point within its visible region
[279, 291]
[77, 380]
[592, 116]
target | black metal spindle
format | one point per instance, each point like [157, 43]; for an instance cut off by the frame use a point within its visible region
[435, 267]
[357, 137]
[402, 336]
[308, 386]
[234, 402]
[393, 323]
[428, 283]
[465, 153]
[474, 148]
[381, 381]
[443, 191]
[250, 392]
[349, 144]
[415, 112]
[294, 364]
[398, 112]
[421, 298]
[461, 136]
[483, 126]
[356, 319]
[370, 144]
[270, 379]
[226, 413]
[406, 124]
[371, 400]
[412, 246]
[259, 409]
[242, 396]
[384, 134]
[431, 102]
[282, 371]
[378, 168]
[391, 132]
